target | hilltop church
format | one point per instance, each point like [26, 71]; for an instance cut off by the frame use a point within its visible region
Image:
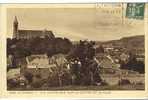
[27, 34]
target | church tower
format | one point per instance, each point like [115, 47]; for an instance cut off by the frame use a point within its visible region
[15, 28]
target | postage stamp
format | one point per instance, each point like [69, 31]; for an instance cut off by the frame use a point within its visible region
[135, 10]
[79, 50]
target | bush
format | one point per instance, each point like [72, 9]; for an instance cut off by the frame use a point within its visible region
[66, 78]
[53, 80]
[133, 64]
[28, 76]
[124, 82]
[104, 83]
[37, 81]
[12, 83]
[37, 84]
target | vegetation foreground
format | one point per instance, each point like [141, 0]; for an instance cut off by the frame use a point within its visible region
[59, 64]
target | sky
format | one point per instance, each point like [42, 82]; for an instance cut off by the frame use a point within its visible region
[76, 23]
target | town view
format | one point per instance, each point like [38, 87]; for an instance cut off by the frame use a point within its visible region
[41, 60]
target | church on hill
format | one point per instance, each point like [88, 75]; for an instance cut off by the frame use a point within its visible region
[27, 34]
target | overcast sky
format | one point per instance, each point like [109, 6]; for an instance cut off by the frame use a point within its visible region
[75, 23]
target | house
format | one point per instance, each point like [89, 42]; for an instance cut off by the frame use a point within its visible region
[107, 62]
[43, 65]
[13, 73]
[37, 64]
[124, 57]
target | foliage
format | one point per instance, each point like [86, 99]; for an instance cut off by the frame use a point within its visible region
[37, 83]
[59, 74]
[12, 83]
[20, 48]
[124, 82]
[83, 50]
[28, 76]
[84, 67]
[100, 49]
[133, 64]
[25, 47]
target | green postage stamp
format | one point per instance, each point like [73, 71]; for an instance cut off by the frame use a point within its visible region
[135, 10]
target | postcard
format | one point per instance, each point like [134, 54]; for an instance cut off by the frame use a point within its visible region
[74, 50]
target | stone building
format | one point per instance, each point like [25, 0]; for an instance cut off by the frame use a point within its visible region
[27, 34]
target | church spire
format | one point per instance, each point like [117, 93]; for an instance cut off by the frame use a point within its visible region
[15, 27]
[15, 20]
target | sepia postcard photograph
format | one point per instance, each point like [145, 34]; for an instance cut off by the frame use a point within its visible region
[75, 47]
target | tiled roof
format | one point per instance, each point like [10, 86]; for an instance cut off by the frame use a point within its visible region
[34, 33]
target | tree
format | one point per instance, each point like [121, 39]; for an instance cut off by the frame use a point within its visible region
[85, 52]
[60, 61]
[100, 49]
[133, 64]
[28, 76]
[24, 47]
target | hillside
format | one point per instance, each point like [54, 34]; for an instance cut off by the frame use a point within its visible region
[133, 42]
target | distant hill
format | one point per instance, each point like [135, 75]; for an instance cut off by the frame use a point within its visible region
[132, 42]
[128, 42]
